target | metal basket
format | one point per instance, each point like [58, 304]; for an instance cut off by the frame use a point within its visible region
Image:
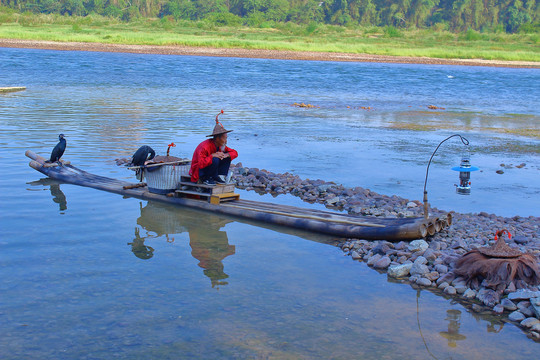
[166, 177]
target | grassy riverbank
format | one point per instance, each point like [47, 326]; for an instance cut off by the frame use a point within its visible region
[288, 36]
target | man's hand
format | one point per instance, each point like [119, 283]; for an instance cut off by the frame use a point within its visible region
[220, 155]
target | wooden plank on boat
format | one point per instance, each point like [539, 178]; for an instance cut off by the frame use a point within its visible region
[318, 221]
[218, 198]
[192, 192]
[213, 189]
[223, 189]
[12, 89]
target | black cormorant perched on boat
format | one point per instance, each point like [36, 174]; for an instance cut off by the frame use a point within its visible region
[59, 149]
[143, 154]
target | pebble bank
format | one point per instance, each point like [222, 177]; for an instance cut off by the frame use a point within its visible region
[425, 263]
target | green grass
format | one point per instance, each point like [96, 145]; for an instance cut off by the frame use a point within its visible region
[288, 36]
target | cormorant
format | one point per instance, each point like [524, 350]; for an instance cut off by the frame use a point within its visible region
[143, 154]
[59, 149]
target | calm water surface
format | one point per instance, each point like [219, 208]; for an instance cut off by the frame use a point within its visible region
[91, 275]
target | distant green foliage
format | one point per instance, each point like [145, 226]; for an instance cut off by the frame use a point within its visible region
[472, 35]
[455, 15]
[225, 18]
[392, 32]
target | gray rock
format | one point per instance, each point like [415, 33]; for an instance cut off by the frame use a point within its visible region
[441, 269]
[419, 269]
[498, 309]
[418, 245]
[535, 304]
[421, 260]
[521, 240]
[461, 288]
[488, 297]
[381, 249]
[432, 276]
[459, 244]
[443, 285]
[402, 260]
[523, 295]
[355, 255]
[508, 304]
[400, 270]
[450, 290]
[448, 277]
[458, 281]
[529, 322]
[382, 263]
[469, 294]
[430, 255]
[536, 328]
[373, 259]
[516, 316]
[423, 281]
[323, 188]
[333, 201]
[525, 308]
[413, 278]
[510, 288]
[411, 204]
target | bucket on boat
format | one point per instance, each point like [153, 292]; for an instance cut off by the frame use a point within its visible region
[163, 179]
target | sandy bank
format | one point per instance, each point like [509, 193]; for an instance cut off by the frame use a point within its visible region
[256, 53]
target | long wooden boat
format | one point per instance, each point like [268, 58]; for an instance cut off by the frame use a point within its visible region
[319, 221]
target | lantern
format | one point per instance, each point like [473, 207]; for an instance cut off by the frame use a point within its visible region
[465, 169]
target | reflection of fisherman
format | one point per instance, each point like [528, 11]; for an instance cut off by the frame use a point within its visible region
[212, 158]
[139, 249]
[210, 247]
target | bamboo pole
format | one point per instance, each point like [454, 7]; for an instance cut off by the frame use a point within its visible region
[179, 162]
[311, 217]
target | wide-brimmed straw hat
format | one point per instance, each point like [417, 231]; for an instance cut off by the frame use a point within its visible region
[500, 249]
[219, 129]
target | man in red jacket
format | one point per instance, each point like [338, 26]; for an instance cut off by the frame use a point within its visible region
[212, 158]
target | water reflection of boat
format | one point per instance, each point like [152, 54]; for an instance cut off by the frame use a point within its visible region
[208, 243]
[318, 221]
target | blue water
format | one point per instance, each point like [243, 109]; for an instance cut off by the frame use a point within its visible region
[90, 275]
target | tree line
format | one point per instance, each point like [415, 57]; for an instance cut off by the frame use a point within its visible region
[453, 15]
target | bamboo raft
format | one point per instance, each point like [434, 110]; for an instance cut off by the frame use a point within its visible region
[319, 221]
[11, 89]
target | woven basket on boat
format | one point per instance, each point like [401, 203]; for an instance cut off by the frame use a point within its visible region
[163, 179]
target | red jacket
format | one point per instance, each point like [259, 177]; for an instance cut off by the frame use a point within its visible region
[202, 157]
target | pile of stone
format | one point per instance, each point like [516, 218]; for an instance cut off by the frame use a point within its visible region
[356, 200]
[430, 265]
[423, 263]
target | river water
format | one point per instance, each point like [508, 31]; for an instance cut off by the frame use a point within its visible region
[90, 275]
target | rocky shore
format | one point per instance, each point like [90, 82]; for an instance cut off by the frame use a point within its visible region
[425, 263]
[255, 53]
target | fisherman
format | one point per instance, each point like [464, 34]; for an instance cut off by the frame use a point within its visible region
[212, 158]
